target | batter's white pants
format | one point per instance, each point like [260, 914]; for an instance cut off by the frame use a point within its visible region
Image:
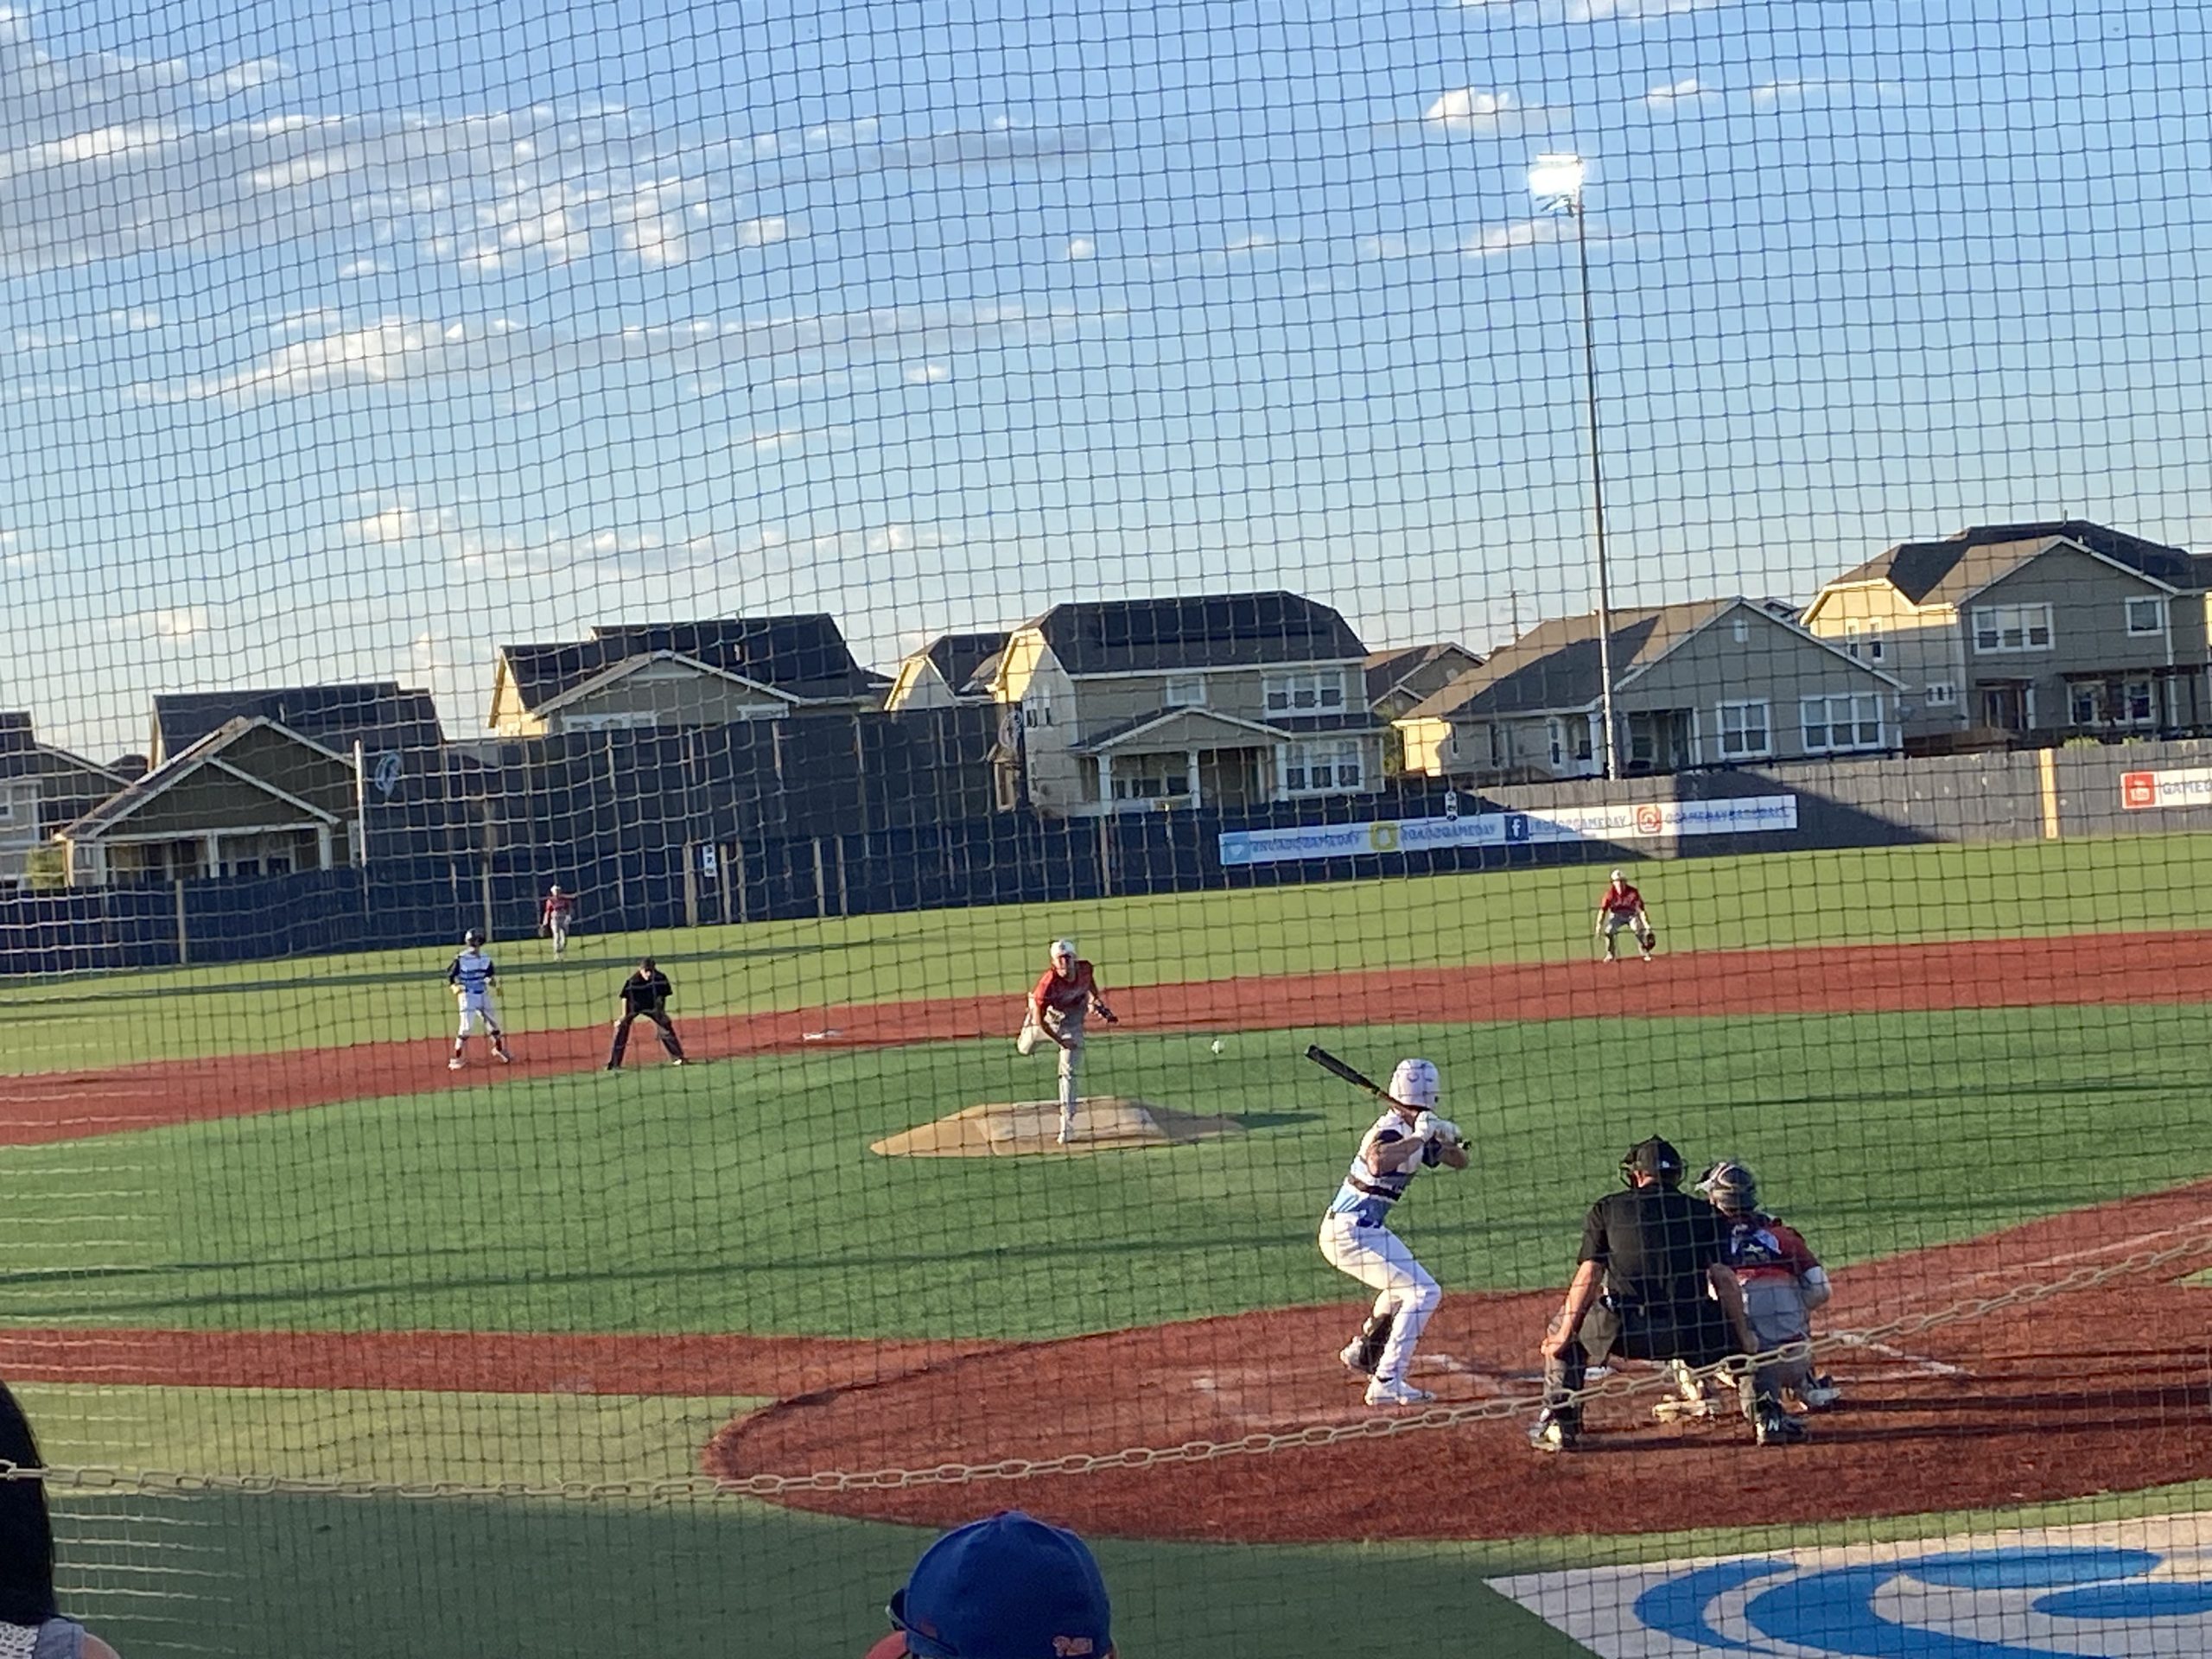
[559, 929]
[1379, 1259]
[476, 1014]
[1071, 1059]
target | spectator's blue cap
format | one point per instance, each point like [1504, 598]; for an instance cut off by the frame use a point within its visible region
[1008, 1587]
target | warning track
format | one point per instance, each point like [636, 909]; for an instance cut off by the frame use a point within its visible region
[2083, 969]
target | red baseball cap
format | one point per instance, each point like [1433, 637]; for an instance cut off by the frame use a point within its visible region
[1004, 1587]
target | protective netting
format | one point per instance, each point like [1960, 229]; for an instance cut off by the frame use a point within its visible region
[1639, 553]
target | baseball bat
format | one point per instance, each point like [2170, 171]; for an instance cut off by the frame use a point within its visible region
[1328, 1062]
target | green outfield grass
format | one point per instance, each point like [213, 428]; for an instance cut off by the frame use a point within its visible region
[741, 1196]
[1873, 896]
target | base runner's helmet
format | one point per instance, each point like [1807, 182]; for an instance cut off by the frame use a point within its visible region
[1656, 1158]
[1415, 1083]
[1063, 950]
[475, 935]
[1730, 1187]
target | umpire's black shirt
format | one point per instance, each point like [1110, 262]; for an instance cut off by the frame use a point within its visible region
[645, 992]
[1655, 1244]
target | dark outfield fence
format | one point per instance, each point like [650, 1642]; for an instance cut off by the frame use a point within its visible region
[637, 880]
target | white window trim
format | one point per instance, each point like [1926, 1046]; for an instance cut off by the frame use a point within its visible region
[1288, 682]
[1334, 753]
[1828, 723]
[1168, 699]
[1765, 750]
[2158, 610]
[1997, 613]
[1942, 694]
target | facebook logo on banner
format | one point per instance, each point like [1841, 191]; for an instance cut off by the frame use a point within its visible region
[1236, 848]
[1517, 826]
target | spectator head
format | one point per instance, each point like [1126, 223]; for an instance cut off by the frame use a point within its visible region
[645, 966]
[1008, 1587]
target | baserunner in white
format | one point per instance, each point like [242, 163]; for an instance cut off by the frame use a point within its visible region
[1356, 1238]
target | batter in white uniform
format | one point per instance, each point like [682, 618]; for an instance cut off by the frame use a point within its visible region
[470, 974]
[1356, 1238]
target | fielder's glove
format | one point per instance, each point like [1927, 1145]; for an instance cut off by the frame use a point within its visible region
[1651, 940]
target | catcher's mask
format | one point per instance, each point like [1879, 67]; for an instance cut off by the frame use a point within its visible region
[1656, 1157]
[1730, 1187]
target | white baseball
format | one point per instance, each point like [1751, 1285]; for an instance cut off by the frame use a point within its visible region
[1216, 1045]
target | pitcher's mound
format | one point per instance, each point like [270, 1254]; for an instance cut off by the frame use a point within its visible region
[1030, 1128]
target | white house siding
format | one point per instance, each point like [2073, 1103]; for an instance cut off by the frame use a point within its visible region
[1771, 663]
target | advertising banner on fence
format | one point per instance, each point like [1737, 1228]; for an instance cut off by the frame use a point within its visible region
[2139, 790]
[1648, 820]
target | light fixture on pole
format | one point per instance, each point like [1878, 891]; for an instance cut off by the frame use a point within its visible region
[1556, 182]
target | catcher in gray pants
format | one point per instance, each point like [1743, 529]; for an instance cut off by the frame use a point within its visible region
[1784, 1281]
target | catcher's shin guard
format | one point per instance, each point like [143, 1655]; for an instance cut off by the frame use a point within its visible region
[1374, 1336]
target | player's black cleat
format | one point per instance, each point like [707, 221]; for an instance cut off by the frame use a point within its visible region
[1775, 1426]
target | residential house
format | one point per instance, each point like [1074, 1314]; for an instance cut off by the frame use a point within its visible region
[1719, 682]
[1398, 679]
[1230, 700]
[42, 788]
[943, 672]
[384, 716]
[2055, 628]
[250, 798]
[680, 674]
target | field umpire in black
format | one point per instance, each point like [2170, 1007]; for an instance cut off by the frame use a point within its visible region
[644, 996]
[1653, 1283]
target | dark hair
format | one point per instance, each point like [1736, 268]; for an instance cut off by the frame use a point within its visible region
[646, 966]
[26, 1533]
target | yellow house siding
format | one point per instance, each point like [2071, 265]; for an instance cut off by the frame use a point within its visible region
[1428, 747]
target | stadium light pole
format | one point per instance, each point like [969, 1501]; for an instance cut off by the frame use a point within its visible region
[1556, 182]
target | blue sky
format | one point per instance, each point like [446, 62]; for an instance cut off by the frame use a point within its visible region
[350, 342]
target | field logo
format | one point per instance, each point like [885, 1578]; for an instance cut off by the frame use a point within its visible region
[1650, 820]
[2138, 790]
[1383, 837]
[2142, 789]
[2123, 1591]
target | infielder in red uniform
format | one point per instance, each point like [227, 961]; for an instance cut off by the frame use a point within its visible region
[554, 922]
[1064, 994]
[1622, 907]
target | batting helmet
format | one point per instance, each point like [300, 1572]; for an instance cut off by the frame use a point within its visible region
[475, 935]
[1656, 1158]
[1063, 948]
[1730, 1187]
[1415, 1083]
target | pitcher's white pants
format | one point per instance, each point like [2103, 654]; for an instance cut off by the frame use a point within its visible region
[1378, 1258]
[1071, 1059]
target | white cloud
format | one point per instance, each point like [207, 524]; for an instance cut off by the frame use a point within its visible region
[769, 444]
[1596, 11]
[400, 522]
[927, 374]
[1493, 240]
[178, 623]
[1470, 109]
[1081, 247]
[1679, 96]
[1795, 90]
[1252, 242]
[324, 349]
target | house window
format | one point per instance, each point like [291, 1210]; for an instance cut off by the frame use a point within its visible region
[1570, 741]
[2135, 698]
[1744, 731]
[1188, 693]
[1741, 628]
[2012, 627]
[1036, 714]
[2085, 704]
[1873, 642]
[1851, 639]
[1321, 692]
[1839, 725]
[1942, 694]
[2146, 616]
[1317, 768]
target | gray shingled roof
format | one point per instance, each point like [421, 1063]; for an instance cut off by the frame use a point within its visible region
[1140, 636]
[382, 714]
[22, 755]
[957, 655]
[1388, 670]
[803, 657]
[120, 804]
[1553, 666]
[1942, 573]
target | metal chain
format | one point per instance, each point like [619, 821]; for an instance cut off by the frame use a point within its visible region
[100, 1478]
